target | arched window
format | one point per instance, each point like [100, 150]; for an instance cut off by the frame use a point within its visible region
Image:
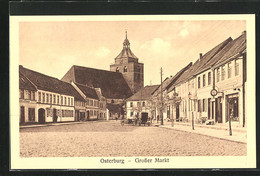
[125, 69]
[112, 101]
[117, 69]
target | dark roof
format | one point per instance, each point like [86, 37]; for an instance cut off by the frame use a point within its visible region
[198, 65]
[114, 108]
[24, 83]
[112, 84]
[168, 82]
[88, 91]
[47, 83]
[209, 55]
[237, 46]
[144, 93]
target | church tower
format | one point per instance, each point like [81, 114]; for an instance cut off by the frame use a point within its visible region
[127, 64]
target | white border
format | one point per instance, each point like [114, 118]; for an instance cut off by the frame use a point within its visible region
[248, 161]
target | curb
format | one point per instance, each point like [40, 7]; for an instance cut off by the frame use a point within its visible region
[60, 123]
[200, 134]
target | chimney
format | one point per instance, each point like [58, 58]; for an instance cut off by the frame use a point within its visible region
[200, 56]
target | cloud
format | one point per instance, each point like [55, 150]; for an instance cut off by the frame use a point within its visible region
[156, 46]
[102, 52]
[184, 33]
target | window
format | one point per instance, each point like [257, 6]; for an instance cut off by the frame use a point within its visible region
[143, 104]
[117, 69]
[138, 104]
[29, 94]
[131, 104]
[236, 68]
[43, 97]
[87, 102]
[199, 110]
[131, 114]
[31, 113]
[54, 99]
[229, 70]
[209, 78]
[112, 101]
[223, 73]
[125, 69]
[218, 75]
[65, 100]
[47, 98]
[91, 103]
[33, 95]
[198, 82]
[95, 113]
[204, 80]
[69, 101]
[51, 98]
[61, 101]
[21, 94]
[91, 112]
[39, 96]
[203, 105]
[58, 99]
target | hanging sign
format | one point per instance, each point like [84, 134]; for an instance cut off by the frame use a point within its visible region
[213, 92]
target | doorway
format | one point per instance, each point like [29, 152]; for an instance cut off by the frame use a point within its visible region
[22, 116]
[177, 112]
[55, 117]
[218, 110]
[41, 115]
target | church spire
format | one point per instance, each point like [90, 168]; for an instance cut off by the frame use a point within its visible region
[126, 43]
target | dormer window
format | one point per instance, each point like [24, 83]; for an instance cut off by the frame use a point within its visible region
[117, 69]
[125, 69]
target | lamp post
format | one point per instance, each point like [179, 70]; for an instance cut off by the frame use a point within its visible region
[192, 122]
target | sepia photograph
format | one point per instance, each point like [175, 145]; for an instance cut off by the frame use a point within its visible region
[158, 91]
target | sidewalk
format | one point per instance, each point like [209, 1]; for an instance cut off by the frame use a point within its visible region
[218, 131]
[56, 124]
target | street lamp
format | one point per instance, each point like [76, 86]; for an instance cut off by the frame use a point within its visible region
[192, 122]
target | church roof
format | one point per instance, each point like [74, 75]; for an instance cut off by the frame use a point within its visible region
[126, 51]
[144, 93]
[112, 84]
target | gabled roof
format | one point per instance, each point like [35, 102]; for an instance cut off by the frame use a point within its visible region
[198, 65]
[210, 54]
[24, 83]
[88, 91]
[144, 93]
[237, 46]
[51, 84]
[168, 82]
[112, 84]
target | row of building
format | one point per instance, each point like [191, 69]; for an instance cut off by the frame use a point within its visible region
[82, 94]
[213, 89]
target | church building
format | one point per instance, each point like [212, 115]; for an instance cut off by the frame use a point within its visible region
[127, 64]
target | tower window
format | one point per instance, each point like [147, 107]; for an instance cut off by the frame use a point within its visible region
[117, 69]
[125, 69]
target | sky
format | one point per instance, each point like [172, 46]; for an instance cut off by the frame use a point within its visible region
[53, 47]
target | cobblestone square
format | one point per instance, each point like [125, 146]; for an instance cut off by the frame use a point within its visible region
[109, 138]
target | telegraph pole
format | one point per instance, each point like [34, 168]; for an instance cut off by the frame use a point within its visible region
[161, 99]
